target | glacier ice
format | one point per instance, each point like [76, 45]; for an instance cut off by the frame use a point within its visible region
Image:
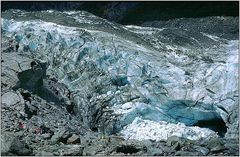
[160, 65]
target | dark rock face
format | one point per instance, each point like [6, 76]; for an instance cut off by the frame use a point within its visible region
[127, 149]
[219, 26]
[32, 79]
[135, 12]
[19, 147]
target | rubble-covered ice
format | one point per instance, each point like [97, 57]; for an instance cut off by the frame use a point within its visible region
[145, 129]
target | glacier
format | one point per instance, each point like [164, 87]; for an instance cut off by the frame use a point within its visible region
[161, 82]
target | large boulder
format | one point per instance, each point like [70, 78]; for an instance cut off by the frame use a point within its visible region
[11, 98]
[6, 142]
[19, 147]
[32, 79]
